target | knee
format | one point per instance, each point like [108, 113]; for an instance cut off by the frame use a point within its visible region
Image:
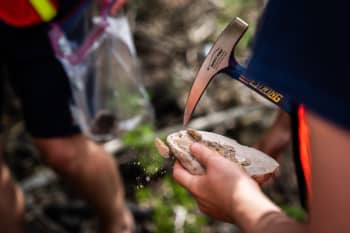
[62, 153]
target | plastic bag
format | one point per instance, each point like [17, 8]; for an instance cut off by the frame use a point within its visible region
[108, 95]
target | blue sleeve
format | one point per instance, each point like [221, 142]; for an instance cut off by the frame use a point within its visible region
[301, 49]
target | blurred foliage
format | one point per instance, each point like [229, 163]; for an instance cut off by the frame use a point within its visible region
[237, 6]
[168, 197]
[141, 139]
[294, 212]
[247, 10]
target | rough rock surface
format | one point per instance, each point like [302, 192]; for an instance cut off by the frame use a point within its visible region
[257, 164]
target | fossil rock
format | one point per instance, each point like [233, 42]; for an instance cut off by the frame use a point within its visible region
[257, 164]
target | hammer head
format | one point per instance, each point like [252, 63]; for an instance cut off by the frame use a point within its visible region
[220, 57]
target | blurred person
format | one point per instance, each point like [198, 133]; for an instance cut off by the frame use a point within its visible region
[42, 86]
[297, 52]
[276, 139]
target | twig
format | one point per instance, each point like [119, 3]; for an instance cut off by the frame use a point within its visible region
[227, 118]
[224, 118]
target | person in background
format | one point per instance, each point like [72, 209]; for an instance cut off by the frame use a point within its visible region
[297, 52]
[277, 138]
[42, 86]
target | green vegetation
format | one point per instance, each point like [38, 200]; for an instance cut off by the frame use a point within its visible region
[247, 10]
[165, 196]
[239, 8]
[141, 139]
[294, 212]
[165, 200]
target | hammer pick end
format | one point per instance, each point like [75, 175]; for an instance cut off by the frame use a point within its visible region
[218, 59]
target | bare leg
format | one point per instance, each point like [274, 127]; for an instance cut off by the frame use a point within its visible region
[94, 173]
[11, 202]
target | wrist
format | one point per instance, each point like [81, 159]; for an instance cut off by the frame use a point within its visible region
[250, 205]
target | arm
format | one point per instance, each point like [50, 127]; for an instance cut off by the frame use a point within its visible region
[225, 192]
[331, 177]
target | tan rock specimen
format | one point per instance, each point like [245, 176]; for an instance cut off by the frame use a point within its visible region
[257, 164]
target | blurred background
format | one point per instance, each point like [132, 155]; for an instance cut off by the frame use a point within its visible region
[171, 39]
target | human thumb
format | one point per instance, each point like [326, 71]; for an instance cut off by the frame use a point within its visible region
[202, 153]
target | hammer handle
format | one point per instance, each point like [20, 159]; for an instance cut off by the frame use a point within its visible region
[275, 97]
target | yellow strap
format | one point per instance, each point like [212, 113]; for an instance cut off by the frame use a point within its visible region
[45, 9]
